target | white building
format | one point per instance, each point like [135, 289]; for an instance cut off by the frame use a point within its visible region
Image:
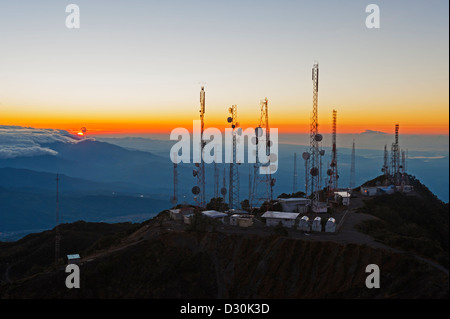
[73, 259]
[294, 205]
[215, 215]
[178, 214]
[286, 219]
[303, 224]
[241, 220]
[175, 214]
[330, 226]
[345, 197]
[317, 224]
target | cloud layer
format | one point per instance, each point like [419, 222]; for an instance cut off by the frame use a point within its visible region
[17, 141]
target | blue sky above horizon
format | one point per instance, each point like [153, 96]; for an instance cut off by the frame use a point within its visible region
[137, 65]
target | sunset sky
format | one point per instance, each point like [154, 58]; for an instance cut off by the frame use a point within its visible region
[137, 66]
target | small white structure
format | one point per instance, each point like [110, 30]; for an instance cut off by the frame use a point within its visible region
[330, 226]
[345, 197]
[178, 214]
[319, 207]
[286, 219]
[233, 219]
[73, 259]
[245, 221]
[215, 215]
[369, 191]
[303, 224]
[241, 220]
[317, 224]
[294, 205]
[175, 214]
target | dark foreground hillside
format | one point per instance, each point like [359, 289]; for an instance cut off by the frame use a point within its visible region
[161, 258]
[156, 262]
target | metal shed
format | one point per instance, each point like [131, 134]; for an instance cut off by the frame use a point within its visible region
[286, 219]
[345, 197]
[304, 224]
[215, 214]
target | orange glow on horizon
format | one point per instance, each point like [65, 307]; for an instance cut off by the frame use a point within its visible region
[295, 123]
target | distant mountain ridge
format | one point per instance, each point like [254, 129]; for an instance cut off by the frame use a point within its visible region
[99, 162]
[160, 259]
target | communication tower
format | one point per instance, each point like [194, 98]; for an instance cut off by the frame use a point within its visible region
[199, 172]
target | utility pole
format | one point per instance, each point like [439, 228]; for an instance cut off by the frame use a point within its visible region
[57, 232]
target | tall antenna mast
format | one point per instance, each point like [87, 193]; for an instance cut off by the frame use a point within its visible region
[306, 157]
[174, 198]
[57, 233]
[263, 181]
[250, 185]
[395, 157]
[199, 190]
[223, 190]
[233, 195]
[385, 168]
[315, 137]
[294, 186]
[352, 167]
[216, 177]
[333, 171]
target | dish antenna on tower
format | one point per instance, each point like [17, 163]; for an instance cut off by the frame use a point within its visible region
[306, 156]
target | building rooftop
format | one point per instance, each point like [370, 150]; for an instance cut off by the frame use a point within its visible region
[294, 199]
[343, 194]
[281, 215]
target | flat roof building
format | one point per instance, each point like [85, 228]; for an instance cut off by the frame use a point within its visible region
[73, 259]
[295, 205]
[214, 214]
[345, 197]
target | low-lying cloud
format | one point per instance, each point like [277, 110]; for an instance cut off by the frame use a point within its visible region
[18, 141]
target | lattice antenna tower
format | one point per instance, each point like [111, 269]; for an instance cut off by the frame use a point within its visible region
[385, 168]
[233, 195]
[352, 167]
[395, 157]
[223, 190]
[295, 176]
[332, 172]
[306, 156]
[262, 183]
[216, 177]
[174, 198]
[315, 138]
[199, 172]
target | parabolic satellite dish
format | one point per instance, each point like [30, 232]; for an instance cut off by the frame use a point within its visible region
[306, 156]
[314, 171]
[195, 190]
